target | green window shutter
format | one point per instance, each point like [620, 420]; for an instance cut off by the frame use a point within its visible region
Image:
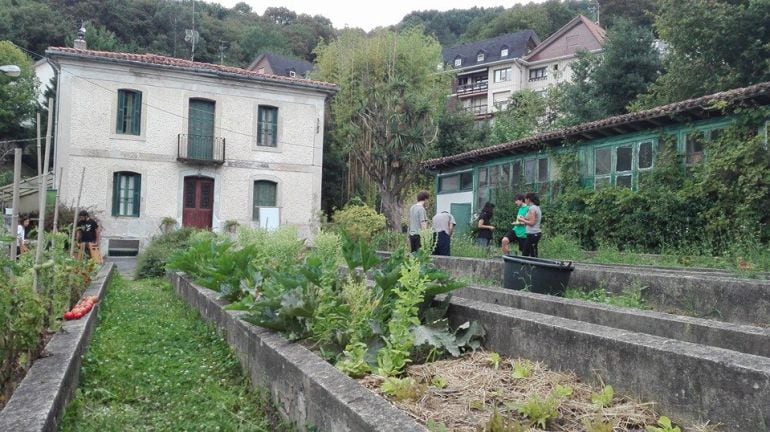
[137, 193]
[115, 194]
[267, 126]
[264, 196]
[136, 116]
[121, 115]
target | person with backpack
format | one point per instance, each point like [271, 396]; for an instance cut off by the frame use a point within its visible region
[484, 236]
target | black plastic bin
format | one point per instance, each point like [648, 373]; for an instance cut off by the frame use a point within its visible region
[537, 275]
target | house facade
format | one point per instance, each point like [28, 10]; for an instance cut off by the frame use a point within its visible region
[615, 151]
[153, 137]
[489, 72]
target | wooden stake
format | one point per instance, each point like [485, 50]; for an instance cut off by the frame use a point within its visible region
[42, 192]
[77, 210]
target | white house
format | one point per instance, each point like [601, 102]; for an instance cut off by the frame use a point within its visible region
[490, 71]
[204, 144]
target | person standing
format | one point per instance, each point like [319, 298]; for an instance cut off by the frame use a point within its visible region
[532, 224]
[21, 236]
[484, 236]
[87, 230]
[418, 220]
[443, 227]
[519, 231]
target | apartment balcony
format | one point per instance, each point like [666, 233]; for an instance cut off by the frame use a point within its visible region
[477, 110]
[472, 89]
[201, 149]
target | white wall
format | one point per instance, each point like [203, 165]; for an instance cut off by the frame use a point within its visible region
[444, 201]
[86, 138]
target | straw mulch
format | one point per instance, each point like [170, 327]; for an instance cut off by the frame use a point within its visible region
[474, 389]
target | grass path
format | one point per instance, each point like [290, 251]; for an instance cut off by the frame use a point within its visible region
[154, 365]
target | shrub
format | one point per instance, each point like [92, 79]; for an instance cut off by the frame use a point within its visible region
[359, 222]
[152, 261]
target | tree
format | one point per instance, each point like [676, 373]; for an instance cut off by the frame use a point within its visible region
[712, 45]
[458, 133]
[17, 94]
[525, 116]
[384, 113]
[605, 85]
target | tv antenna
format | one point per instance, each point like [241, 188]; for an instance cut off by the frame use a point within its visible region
[190, 35]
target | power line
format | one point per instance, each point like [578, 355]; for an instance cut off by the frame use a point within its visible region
[111, 91]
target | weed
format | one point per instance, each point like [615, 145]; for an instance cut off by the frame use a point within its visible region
[540, 411]
[498, 423]
[522, 369]
[494, 360]
[402, 388]
[597, 425]
[434, 426]
[438, 382]
[664, 425]
[604, 397]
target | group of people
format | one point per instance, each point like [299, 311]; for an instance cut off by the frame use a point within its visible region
[86, 231]
[526, 230]
[525, 233]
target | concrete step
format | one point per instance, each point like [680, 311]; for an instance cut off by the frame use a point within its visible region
[736, 337]
[691, 382]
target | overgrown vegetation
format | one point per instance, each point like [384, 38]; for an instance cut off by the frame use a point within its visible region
[152, 261]
[26, 314]
[155, 365]
[359, 328]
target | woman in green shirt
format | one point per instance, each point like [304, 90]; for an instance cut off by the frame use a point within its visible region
[519, 231]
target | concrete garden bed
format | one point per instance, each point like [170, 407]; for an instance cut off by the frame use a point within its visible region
[306, 389]
[696, 292]
[692, 382]
[39, 401]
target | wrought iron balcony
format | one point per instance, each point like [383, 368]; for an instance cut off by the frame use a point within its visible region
[201, 149]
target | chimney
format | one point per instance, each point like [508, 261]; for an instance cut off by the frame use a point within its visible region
[80, 41]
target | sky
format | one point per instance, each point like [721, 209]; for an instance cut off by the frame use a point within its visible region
[367, 14]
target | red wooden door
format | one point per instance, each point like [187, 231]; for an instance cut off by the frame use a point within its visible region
[198, 202]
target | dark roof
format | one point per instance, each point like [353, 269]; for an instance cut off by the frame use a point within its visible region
[187, 66]
[282, 65]
[690, 110]
[517, 44]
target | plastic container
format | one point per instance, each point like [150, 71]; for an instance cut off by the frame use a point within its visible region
[536, 275]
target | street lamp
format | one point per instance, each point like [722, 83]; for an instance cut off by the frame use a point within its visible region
[14, 71]
[10, 70]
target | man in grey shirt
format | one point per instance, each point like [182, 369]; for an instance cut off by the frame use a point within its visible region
[418, 220]
[443, 227]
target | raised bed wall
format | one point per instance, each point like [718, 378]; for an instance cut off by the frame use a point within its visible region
[691, 382]
[39, 401]
[703, 293]
[308, 391]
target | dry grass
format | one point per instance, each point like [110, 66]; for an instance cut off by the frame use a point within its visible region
[475, 388]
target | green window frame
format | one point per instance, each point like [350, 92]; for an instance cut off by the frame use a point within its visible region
[126, 193]
[129, 113]
[267, 126]
[459, 182]
[265, 195]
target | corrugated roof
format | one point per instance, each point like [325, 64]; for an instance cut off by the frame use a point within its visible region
[188, 66]
[691, 109]
[517, 44]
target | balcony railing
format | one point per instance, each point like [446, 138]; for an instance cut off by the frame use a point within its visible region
[472, 88]
[201, 149]
[476, 110]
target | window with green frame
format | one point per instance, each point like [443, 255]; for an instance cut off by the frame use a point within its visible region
[267, 126]
[460, 182]
[620, 164]
[126, 193]
[265, 195]
[129, 113]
